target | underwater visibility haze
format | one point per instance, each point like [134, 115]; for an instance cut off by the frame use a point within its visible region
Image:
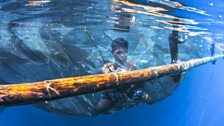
[52, 39]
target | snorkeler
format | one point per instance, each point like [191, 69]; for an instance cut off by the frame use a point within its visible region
[131, 93]
[212, 49]
[174, 40]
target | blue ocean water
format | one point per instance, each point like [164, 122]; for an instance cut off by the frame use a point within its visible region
[198, 101]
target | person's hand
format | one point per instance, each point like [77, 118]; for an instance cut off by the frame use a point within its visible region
[109, 67]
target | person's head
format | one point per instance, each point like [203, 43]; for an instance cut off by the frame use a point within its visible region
[120, 49]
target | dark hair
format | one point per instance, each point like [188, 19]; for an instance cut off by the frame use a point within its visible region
[119, 43]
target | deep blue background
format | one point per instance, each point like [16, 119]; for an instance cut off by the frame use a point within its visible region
[199, 100]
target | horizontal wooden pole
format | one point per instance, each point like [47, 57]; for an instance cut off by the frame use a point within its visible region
[27, 93]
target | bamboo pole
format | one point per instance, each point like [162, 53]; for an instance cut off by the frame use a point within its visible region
[27, 93]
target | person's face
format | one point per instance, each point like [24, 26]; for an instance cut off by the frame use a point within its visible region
[120, 55]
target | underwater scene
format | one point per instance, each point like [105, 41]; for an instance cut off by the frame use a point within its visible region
[111, 63]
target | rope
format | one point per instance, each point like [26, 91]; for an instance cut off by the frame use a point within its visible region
[27, 93]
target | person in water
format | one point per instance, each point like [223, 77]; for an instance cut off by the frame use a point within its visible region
[174, 40]
[132, 92]
[212, 50]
